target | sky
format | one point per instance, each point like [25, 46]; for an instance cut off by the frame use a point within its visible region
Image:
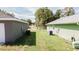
[28, 12]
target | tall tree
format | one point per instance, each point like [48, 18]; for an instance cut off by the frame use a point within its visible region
[58, 13]
[70, 11]
[29, 21]
[67, 11]
[42, 14]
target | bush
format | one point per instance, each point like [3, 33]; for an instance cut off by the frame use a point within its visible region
[28, 32]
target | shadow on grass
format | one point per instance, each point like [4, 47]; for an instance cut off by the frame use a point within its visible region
[25, 40]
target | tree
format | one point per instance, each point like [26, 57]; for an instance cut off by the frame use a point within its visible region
[70, 11]
[42, 14]
[29, 21]
[50, 19]
[67, 11]
[58, 13]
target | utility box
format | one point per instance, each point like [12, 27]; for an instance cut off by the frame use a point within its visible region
[50, 32]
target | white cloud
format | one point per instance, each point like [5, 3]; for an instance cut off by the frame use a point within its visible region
[32, 9]
[25, 16]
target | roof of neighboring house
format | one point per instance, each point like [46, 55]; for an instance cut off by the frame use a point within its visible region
[8, 17]
[12, 19]
[66, 20]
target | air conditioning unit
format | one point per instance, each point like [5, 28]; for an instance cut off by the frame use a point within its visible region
[75, 44]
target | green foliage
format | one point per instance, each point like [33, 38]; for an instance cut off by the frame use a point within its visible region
[29, 21]
[68, 11]
[50, 19]
[42, 14]
[26, 40]
[58, 13]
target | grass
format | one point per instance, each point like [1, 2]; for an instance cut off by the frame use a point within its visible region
[39, 41]
[27, 40]
[52, 43]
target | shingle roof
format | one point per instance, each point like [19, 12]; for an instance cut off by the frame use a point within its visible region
[66, 20]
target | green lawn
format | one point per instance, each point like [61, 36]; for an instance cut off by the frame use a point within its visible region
[39, 41]
[45, 42]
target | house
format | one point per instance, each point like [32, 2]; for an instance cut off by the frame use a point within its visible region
[11, 28]
[65, 27]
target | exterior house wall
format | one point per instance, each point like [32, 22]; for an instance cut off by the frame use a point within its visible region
[2, 33]
[11, 27]
[68, 34]
[14, 30]
[8, 32]
[65, 31]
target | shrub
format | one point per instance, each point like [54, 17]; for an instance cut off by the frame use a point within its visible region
[28, 32]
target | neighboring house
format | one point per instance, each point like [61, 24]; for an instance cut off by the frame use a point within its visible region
[11, 28]
[65, 27]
